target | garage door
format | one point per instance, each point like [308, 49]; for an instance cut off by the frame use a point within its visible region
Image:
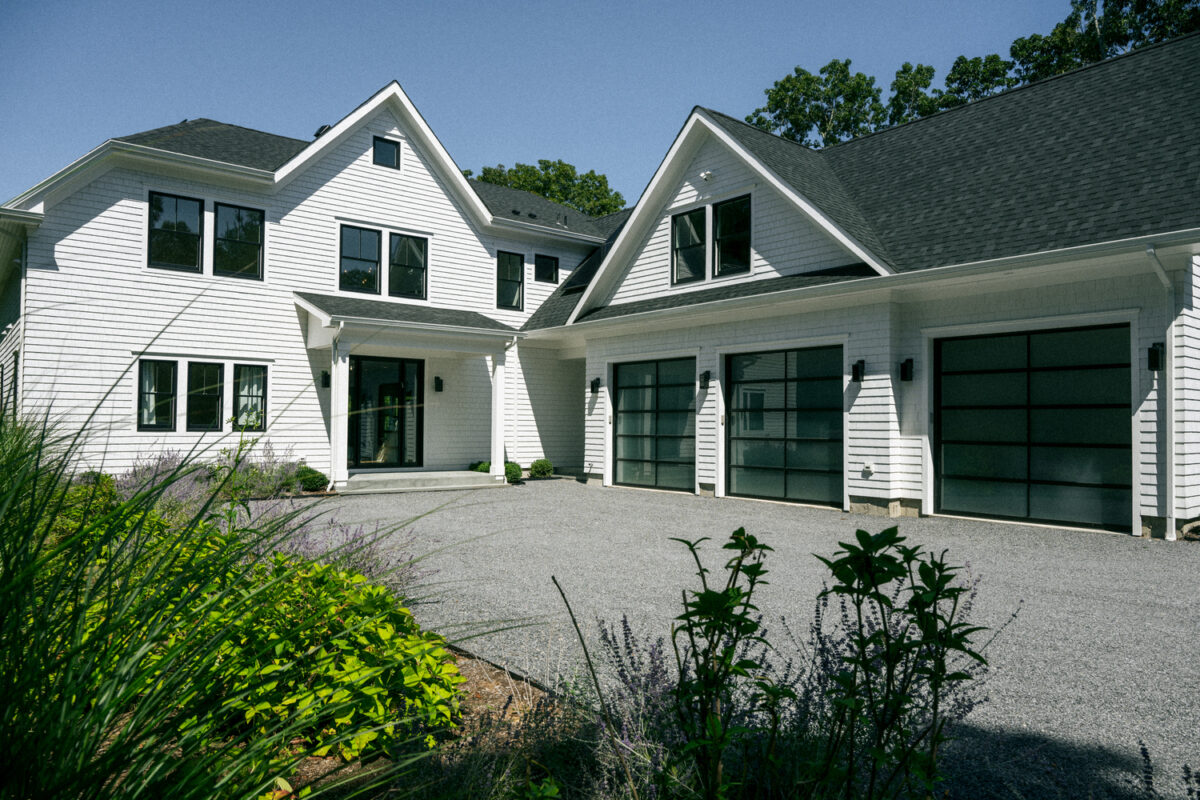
[1036, 426]
[784, 427]
[655, 425]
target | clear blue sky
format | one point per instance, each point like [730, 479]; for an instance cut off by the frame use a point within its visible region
[605, 86]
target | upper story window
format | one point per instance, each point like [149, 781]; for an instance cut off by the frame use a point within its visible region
[406, 266]
[510, 280]
[176, 232]
[688, 241]
[545, 269]
[731, 236]
[386, 153]
[205, 391]
[360, 260]
[156, 395]
[238, 242]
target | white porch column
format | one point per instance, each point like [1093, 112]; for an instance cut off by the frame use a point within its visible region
[339, 411]
[498, 389]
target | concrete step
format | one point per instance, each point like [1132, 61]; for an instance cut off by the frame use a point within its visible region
[380, 482]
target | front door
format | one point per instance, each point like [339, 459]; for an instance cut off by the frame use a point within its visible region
[386, 401]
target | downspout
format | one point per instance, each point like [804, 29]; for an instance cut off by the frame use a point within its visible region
[1169, 381]
[333, 355]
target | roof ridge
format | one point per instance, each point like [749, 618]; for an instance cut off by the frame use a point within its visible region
[743, 122]
[1009, 92]
[194, 120]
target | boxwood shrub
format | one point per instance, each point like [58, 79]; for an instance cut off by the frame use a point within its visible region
[542, 468]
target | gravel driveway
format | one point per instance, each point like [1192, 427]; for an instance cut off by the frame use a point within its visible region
[1105, 650]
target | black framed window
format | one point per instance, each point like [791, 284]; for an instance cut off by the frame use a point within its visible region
[407, 266]
[359, 270]
[687, 246]
[545, 269]
[510, 280]
[238, 242]
[731, 236]
[386, 153]
[250, 396]
[156, 395]
[205, 390]
[176, 232]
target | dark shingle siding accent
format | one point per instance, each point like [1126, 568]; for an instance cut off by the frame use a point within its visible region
[218, 141]
[533, 209]
[338, 306]
[733, 290]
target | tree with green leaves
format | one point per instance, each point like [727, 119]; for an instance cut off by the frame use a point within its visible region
[910, 94]
[560, 182]
[819, 110]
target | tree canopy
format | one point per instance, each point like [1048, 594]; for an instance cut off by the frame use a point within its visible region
[557, 181]
[836, 104]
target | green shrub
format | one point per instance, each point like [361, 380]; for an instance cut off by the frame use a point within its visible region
[542, 468]
[512, 471]
[311, 480]
[480, 466]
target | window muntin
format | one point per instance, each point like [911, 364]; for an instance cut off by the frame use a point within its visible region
[176, 232]
[731, 236]
[510, 280]
[156, 395]
[238, 242]
[407, 259]
[250, 396]
[687, 246]
[545, 269]
[386, 153]
[359, 270]
[205, 391]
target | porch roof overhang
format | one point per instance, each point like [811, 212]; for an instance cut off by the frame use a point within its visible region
[365, 321]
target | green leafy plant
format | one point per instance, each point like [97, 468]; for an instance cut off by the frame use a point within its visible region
[311, 480]
[480, 466]
[542, 468]
[512, 471]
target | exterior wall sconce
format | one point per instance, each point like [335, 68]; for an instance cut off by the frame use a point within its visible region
[438, 384]
[595, 386]
[325, 381]
[1155, 356]
[857, 370]
[906, 369]
[705, 377]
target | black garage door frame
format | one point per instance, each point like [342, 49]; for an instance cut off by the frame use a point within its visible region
[1065, 409]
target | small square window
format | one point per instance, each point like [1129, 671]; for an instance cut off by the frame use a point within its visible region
[386, 153]
[545, 269]
[205, 391]
[238, 243]
[175, 232]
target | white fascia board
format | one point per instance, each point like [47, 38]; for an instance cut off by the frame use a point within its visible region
[541, 230]
[884, 284]
[394, 96]
[798, 200]
[325, 319]
[328, 320]
[627, 238]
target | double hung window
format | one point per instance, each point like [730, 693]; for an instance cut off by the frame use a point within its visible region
[238, 242]
[407, 266]
[731, 236]
[545, 269]
[688, 239]
[176, 232]
[250, 396]
[205, 391]
[360, 260]
[510, 280]
[156, 395]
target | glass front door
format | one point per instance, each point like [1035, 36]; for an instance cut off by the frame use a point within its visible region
[386, 401]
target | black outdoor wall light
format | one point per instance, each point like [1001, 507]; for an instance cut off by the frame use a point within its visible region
[906, 369]
[857, 370]
[438, 384]
[1154, 356]
[595, 386]
[705, 377]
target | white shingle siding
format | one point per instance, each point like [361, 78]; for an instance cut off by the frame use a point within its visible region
[546, 417]
[784, 241]
[1187, 398]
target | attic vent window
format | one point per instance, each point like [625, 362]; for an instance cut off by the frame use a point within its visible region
[386, 153]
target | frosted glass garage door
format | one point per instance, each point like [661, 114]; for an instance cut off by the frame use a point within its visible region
[1036, 426]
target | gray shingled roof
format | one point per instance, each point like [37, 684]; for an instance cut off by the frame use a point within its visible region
[507, 203]
[1103, 153]
[557, 308]
[231, 144]
[384, 311]
[730, 291]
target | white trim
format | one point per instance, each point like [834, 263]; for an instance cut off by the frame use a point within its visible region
[1127, 316]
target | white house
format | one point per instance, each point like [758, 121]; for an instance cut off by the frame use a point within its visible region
[988, 312]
